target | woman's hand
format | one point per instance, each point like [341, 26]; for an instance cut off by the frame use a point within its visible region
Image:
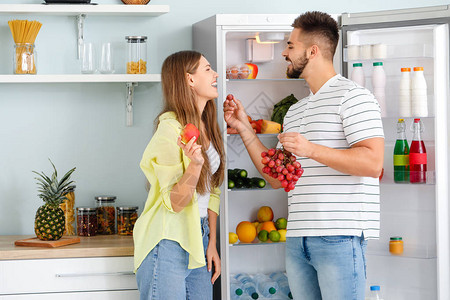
[192, 150]
[234, 114]
[213, 257]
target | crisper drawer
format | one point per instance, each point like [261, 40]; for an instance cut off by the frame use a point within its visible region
[106, 295]
[66, 275]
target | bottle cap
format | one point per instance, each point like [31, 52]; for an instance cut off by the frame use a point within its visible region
[255, 296]
[357, 65]
[272, 290]
[406, 69]
[378, 63]
[416, 120]
[418, 68]
[375, 288]
[238, 292]
[396, 238]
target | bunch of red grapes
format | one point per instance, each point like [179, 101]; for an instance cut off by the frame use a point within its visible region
[283, 165]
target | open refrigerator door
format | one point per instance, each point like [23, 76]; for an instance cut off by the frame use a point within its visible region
[419, 213]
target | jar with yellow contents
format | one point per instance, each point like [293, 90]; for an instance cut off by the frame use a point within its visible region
[396, 245]
[106, 214]
[136, 54]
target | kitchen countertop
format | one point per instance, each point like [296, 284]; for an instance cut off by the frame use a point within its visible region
[94, 246]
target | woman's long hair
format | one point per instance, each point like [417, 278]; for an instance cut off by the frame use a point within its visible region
[180, 98]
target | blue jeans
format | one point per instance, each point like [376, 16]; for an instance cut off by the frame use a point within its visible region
[326, 267]
[164, 273]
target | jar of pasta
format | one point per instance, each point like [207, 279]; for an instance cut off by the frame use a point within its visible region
[86, 221]
[136, 54]
[126, 217]
[24, 58]
[106, 214]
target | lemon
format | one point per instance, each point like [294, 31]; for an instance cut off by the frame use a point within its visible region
[282, 233]
[274, 236]
[232, 237]
[281, 223]
[263, 235]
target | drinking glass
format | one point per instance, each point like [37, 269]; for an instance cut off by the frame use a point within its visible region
[107, 62]
[87, 59]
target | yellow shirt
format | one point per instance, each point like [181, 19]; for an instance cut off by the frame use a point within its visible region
[164, 163]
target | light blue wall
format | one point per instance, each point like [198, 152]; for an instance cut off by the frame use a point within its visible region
[83, 125]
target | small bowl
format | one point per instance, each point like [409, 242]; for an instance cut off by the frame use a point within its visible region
[136, 2]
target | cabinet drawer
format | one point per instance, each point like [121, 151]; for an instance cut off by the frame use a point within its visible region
[107, 295]
[66, 275]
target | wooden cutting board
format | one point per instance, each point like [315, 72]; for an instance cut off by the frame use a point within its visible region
[35, 242]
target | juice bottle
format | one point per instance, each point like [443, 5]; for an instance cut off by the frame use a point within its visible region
[401, 154]
[417, 155]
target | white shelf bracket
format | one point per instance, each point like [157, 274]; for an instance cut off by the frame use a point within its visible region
[129, 104]
[80, 26]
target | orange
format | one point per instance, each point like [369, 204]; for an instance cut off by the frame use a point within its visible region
[246, 232]
[265, 213]
[269, 226]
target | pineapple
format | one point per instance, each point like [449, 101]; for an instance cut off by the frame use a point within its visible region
[50, 221]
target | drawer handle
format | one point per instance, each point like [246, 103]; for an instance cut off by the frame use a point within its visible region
[95, 274]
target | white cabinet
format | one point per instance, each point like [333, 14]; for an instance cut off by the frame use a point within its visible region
[68, 278]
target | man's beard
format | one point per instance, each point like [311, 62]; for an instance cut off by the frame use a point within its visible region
[296, 71]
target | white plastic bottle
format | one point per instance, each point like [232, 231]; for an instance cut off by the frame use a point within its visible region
[358, 74]
[404, 101]
[375, 293]
[379, 85]
[419, 101]
[266, 286]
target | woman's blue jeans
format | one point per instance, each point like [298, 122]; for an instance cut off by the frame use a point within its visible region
[164, 273]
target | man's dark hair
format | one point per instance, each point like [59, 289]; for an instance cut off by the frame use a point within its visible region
[320, 27]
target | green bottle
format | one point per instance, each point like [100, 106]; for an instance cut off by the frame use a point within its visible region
[401, 154]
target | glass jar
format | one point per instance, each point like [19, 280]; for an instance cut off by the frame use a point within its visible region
[86, 221]
[24, 59]
[136, 54]
[68, 208]
[396, 245]
[126, 217]
[106, 214]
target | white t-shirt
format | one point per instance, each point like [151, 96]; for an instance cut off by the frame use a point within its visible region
[214, 162]
[326, 201]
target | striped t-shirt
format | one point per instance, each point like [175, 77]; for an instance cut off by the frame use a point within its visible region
[326, 201]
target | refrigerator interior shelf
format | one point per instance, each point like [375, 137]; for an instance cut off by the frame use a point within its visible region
[410, 251]
[258, 243]
[265, 79]
[266, 188]
[260, 135]
[395, 52]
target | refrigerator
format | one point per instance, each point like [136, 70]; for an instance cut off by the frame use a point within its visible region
[419, 213]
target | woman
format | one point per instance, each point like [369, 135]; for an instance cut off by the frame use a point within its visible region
[177, 228]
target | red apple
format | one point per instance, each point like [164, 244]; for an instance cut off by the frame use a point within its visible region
[253, 71]
[189, 131]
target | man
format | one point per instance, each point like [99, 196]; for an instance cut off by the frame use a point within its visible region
[336, 133]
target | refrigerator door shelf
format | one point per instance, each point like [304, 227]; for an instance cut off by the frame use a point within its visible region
[397, 52]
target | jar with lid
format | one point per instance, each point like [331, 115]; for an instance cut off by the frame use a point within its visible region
[106, 214]
[396, 245]
[136, 54]
[86, 221]
[126, 217]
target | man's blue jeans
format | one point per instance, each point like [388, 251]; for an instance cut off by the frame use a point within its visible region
[326, 267]
[164, 273]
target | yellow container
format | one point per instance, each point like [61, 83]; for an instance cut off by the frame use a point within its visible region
[396, 245]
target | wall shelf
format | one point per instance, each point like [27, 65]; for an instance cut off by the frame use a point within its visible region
[75, 10]
[80, 78]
